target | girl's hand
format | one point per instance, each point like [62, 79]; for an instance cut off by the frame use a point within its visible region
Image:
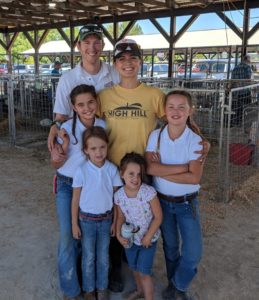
[155, 157]
[146, 242]
[76, 232]
[205, 150]
[112, 230]
[57, 154]
[65, 138]
[124, 242]
[62, 134]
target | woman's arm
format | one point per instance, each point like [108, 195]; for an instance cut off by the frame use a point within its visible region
[155, 223]
[156, 168]
[120, 220]
[74, 211]
[192, 176]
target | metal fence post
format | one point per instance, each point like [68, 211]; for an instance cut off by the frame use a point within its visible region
[11, 115]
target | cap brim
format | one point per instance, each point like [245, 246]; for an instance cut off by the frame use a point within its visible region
[134, 53]
[84, 35]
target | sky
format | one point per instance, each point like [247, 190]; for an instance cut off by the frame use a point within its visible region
[204, 21]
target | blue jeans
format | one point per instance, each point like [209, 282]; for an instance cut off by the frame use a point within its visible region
[68, 248]
[95, 253]
[140, 259]
[182, 241]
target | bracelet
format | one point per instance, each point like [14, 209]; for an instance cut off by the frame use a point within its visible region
[57, 123]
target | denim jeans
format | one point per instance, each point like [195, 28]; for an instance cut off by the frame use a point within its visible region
[182, 241]
[68, 248]
[95, 253]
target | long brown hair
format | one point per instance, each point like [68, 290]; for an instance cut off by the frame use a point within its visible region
[78, 90]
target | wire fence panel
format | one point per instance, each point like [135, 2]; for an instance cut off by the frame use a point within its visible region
[29, 106]
[239, 140]
[227, 116]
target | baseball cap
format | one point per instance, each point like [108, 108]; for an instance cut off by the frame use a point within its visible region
[126, 45]
[90, 29]
[57, 63]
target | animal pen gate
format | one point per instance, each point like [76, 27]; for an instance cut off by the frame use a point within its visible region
[239, 138]
[27, 103]
[26, 106]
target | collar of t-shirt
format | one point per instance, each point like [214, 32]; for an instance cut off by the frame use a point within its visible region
[81, 126]
[102, 72]
[180, 138]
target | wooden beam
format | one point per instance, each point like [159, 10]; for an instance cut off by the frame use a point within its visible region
[106, 18]
[30, 39]
[185, 27]
[160, 29]
[64, 36]
[253, 30]
[127, 29]
[3, 44]
[232, 26]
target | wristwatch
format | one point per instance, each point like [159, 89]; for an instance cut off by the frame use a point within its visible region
[57, 123]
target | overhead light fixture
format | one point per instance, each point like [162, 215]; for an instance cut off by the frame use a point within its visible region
[52, 5]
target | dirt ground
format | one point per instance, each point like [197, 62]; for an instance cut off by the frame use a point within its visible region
[230, 264]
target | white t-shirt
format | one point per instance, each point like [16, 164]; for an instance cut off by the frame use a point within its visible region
[97, 186]
[75, 154]
[106, 77]
[178, 151]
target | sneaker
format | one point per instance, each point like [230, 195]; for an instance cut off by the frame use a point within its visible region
[169, 292]
[103, 295]
[133, 295]
[89, 296]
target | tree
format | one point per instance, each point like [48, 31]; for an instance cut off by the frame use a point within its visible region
[135, 30]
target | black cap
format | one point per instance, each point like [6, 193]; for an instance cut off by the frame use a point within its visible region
[90, 29]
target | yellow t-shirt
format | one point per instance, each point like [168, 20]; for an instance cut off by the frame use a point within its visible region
[131, 114]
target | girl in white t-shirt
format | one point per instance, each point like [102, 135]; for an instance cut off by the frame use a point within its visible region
[172, 161]
[137, 204]
[84, 102]
[93, 186]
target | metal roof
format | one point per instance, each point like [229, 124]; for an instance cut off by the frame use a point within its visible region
[20, 15]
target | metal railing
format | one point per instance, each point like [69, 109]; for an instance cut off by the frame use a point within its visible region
[227, 117]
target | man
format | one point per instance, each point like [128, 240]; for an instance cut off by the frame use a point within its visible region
[55, 74]
[56, 70]
[241, 98]
[91, 70]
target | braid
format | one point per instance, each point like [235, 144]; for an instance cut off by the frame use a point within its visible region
[74, 127]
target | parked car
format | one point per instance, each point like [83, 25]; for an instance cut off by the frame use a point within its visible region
[65, 67]
[209, 69]
[143, 70]
[20, 69]
[30, 69]
[159, 70]
[3, 69]
[46, 68]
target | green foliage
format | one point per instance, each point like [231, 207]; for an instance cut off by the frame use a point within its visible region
[135, 30]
